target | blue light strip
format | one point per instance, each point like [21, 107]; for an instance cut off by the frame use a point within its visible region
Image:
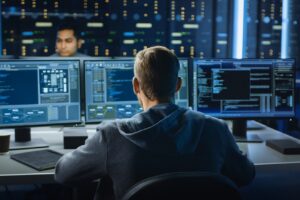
[238, 29]
[285, 29]
[0, 30]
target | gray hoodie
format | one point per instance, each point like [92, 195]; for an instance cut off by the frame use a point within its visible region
[165, 138]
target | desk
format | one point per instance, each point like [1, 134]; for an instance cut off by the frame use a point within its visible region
[270, 164]
[261, 154]
[13, 172]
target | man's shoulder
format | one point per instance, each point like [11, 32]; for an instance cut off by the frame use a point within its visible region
[107, 127]
[106, 124]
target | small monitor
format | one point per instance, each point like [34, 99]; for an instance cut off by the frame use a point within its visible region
[182, 96]
[38, 92]
[244, 88]
[109, 93]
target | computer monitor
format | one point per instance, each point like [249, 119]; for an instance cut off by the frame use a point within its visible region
[109, 93]
[240, 89]
[38, 92]
[81, 59]
[182, 96]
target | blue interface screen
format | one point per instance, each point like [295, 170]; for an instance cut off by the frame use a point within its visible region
[39, 92]
[109, 93]
[232, 88]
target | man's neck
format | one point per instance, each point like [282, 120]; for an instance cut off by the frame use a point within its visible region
[146, 104]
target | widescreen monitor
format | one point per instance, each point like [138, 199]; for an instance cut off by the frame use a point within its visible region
[38, 92]
[244, 88]
[81, 66]
[109, 93]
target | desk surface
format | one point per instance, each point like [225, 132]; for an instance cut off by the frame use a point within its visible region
[13, 172]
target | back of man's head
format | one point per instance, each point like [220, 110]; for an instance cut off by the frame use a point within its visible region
[157, 68]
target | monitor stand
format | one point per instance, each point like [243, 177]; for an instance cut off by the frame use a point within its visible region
[239, 130]
[23, 140]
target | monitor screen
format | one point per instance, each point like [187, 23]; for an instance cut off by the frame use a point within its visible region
[109, 93]
[245, 88]
[81, 59]
[182, 96]
[39, 92]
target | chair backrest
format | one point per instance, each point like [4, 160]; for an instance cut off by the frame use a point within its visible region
[184, 185]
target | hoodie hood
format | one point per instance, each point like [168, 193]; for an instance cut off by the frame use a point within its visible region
[164, 128]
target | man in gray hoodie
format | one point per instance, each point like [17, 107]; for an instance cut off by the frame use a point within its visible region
[164, 138]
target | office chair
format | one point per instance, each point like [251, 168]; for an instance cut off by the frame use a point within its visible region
[184, 186]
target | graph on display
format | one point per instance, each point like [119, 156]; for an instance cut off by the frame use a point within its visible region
[198, 28]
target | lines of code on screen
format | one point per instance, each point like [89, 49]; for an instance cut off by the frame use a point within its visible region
[119, 85]
[244, 88]
[14, 92]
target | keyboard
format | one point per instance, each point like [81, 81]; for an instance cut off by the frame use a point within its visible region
[39, 160]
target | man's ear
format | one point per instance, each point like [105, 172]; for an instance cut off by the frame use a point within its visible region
[79, 43]
[178, 84]
[135, 85]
